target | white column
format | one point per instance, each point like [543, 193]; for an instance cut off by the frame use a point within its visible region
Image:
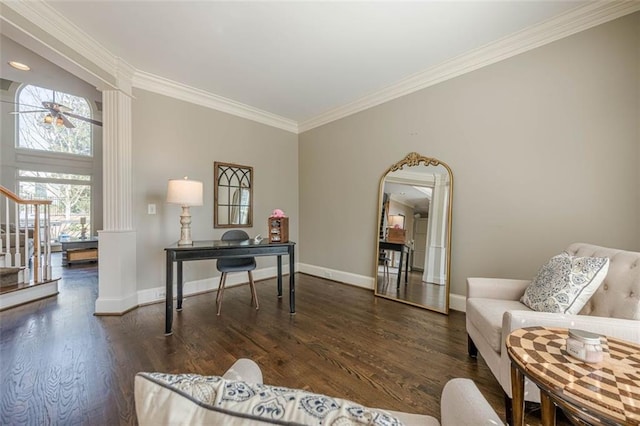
[117, 289]
[435, 260]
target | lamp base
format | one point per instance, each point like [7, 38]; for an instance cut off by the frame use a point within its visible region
[185, 230]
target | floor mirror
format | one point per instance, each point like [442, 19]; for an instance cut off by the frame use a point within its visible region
[413, 254]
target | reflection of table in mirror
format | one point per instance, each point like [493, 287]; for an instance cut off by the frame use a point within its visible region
[403, 248]
[606, 392]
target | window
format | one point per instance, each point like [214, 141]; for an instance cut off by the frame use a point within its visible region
[70, 210]
[36, 134]
[55, 162]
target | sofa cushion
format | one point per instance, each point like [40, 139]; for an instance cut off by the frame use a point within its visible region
[565, 283]
[486, 315]
[193, 399]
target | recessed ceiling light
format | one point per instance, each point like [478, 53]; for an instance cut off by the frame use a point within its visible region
[19, 66]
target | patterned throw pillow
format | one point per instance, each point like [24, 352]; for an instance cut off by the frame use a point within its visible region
[565, 284]
[193, 399]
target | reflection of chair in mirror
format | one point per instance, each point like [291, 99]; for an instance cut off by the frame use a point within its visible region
[235, 265]
[384, 260]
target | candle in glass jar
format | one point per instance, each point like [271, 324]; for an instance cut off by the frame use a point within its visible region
[585, 346]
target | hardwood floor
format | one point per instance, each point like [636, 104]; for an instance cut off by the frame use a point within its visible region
[415, 291]
[60, 364]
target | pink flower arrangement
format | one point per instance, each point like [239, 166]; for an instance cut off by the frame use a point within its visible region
[278, 213]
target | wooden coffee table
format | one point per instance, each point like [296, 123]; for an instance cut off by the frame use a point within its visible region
[604, 393]
[79, 250]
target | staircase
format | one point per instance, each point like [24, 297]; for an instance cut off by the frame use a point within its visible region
[383, 215]
[10, 276]
[25, 250]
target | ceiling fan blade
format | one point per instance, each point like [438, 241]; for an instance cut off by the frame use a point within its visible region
[56, 107]
[66, 121]
[19, 104]
[81, 118]
[56, 110]
[23, 112]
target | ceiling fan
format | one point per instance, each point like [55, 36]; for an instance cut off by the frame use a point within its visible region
[56, 114]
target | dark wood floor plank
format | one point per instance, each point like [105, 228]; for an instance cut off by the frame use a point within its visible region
[60, 364]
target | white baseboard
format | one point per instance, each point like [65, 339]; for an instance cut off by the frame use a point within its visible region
[40, 291]
[335, 275]
[457, 302]
[112, 306]
[158, 294]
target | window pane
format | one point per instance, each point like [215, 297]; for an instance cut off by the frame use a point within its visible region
[34, 133]
[51, 175]
[223, 214]
[70, 203]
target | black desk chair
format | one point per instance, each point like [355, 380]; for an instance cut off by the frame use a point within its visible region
[384, 260]
[236, 265]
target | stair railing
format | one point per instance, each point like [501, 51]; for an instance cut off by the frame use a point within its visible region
[23, 220]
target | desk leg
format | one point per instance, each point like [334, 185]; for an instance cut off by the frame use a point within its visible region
[292, 280]
[406, 269]
[179, 274]
[169, 297]
[517, 396]
[547, 410]
[279, 276]
[400, 269]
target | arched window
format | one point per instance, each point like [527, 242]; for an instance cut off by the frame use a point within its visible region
[39, 129]
[55, 160]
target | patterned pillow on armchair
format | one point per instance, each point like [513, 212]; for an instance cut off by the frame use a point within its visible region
[565, 283]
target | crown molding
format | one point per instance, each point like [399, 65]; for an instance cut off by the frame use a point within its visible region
[564, 25]
[54, 24]
[124, 74]
[118, 73]
[44, 23]
[163, 86]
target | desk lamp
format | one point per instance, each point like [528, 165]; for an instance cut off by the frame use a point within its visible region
[186, 193]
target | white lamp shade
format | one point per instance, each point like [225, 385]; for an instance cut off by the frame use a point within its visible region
[185, 192]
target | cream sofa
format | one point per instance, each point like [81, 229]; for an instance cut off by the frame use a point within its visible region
[494, 310]
[240, 398]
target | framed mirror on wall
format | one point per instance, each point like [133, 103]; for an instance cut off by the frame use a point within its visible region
[232, 195]
[413, 253]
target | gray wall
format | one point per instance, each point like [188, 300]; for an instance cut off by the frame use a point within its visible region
[171, 139]
[544, 149]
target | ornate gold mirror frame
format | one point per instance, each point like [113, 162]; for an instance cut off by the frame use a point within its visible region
[429, 176]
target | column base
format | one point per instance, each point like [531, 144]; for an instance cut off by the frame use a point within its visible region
[117, 280]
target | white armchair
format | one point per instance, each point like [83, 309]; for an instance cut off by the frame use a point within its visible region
[494, 310]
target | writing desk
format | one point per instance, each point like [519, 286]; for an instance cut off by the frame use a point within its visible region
[403, 248]
[216, 249]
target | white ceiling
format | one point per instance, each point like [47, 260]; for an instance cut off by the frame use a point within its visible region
[409, 195]
[298, 60]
